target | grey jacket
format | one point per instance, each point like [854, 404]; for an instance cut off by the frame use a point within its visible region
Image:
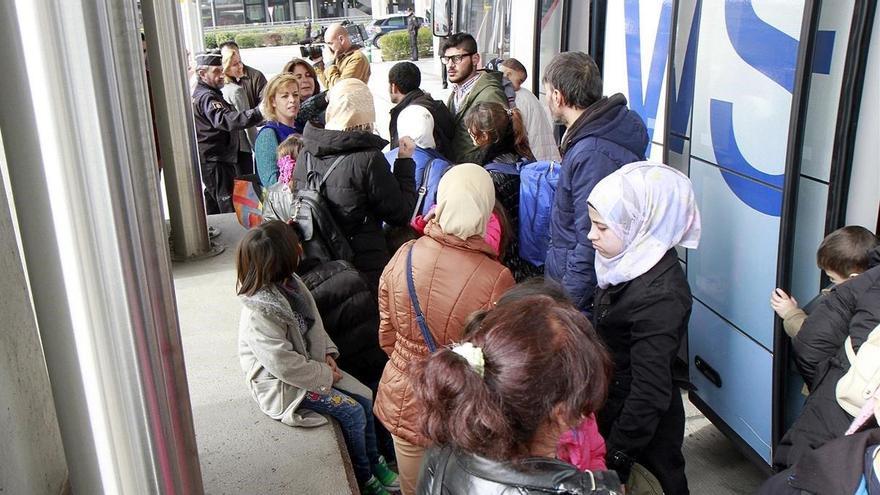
[281, 363]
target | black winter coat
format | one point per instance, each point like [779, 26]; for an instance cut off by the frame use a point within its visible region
[851, 309]
[447, 472]
[362, 192]
[443, 124]
[642, 323]
[836, 467]
[351, 318]
[218, 124]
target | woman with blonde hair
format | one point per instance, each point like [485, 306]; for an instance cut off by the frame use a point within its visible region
[234, 94]
[314, 101]
[280, 106]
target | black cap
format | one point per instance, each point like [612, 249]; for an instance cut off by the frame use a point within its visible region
[209, 57]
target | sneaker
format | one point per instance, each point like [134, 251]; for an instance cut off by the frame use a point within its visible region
[385, 475]
[374, 487]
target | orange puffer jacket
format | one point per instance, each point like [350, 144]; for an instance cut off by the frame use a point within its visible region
[453, 278]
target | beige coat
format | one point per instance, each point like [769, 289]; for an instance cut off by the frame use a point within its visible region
[453, 278]
[280, 363]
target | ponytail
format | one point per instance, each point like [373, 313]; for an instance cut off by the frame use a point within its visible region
[520, 137]
[459, 408]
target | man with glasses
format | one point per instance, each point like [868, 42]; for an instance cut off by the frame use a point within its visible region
[469, 87]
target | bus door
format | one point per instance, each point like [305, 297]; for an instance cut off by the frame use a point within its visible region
[749, 106]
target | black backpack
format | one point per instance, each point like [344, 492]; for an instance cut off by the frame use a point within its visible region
[322, 239]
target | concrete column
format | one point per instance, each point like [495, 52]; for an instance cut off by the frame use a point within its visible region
[32, 458]
[84, 181]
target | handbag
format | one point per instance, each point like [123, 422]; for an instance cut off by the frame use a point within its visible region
[420, 317]
[246, 199]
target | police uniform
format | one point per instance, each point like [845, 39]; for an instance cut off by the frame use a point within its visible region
[217, 130]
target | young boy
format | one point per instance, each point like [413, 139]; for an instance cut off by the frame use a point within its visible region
[842, 255]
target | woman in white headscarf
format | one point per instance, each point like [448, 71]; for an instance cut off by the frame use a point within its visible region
[454, 273]
[639, 214]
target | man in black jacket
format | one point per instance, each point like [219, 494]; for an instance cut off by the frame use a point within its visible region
[404, 80]
[217, 131]
[852, 309]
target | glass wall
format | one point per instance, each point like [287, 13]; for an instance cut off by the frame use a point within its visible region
[254, 11]
[279, 11]
[228, 12]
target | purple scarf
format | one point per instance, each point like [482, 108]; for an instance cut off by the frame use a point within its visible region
[282, 131]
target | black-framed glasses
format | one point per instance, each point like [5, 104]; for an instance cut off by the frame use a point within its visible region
[456, 59]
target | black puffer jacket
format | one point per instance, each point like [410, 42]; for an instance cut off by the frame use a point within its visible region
[351, 317]
[852, 309]
[447, 472]
[362, 192]
[642, 323]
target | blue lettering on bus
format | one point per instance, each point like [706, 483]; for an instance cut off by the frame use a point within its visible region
[646, 105]
[750, 37]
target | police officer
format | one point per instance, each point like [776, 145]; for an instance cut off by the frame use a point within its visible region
[217, 129]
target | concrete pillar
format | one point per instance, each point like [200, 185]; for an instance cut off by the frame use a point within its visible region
[32, 458]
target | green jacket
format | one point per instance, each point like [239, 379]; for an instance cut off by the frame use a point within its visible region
[462, 148]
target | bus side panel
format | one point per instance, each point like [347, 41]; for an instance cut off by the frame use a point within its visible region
[637, 36]
[864, 192]
[745, 402]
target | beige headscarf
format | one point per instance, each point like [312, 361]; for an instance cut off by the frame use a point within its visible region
[349, 105]
[465, 198]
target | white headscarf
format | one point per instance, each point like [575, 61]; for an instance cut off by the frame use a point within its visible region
[651, 208]
[417, 122]
[465, 199]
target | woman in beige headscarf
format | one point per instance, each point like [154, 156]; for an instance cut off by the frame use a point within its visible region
[454, 273]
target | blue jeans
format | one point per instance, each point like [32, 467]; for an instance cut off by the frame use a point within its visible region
[355, 416]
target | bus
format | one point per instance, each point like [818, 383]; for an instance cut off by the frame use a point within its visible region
[771, 108]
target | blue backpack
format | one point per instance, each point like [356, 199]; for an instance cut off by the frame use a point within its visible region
[430, 167]
[537, 187]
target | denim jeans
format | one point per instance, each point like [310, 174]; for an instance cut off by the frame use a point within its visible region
[355, 416]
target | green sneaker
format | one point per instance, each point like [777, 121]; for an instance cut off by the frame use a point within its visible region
[374, 487]
[385, 475]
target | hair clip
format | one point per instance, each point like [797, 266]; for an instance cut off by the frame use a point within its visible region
[473, 355]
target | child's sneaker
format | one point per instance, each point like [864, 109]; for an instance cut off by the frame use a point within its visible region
[385, 475]
[374, 487]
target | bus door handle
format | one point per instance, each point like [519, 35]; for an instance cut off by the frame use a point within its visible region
[707, 371]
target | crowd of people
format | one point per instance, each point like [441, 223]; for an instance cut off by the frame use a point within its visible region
[473, 369]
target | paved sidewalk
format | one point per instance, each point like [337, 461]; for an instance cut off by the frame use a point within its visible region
[242, 450]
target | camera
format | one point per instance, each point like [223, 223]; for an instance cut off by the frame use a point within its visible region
[310, 51]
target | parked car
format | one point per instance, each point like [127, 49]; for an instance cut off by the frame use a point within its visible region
[394, 22]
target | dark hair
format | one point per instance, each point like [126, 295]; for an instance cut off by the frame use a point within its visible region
[541, 357]
[406, 76]
[228, 44]
[493, 119]
[576, 76]
[847, 250]
[535, 286]
[289, 66]
[267, 254]
[512, 63]
[459, 40]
